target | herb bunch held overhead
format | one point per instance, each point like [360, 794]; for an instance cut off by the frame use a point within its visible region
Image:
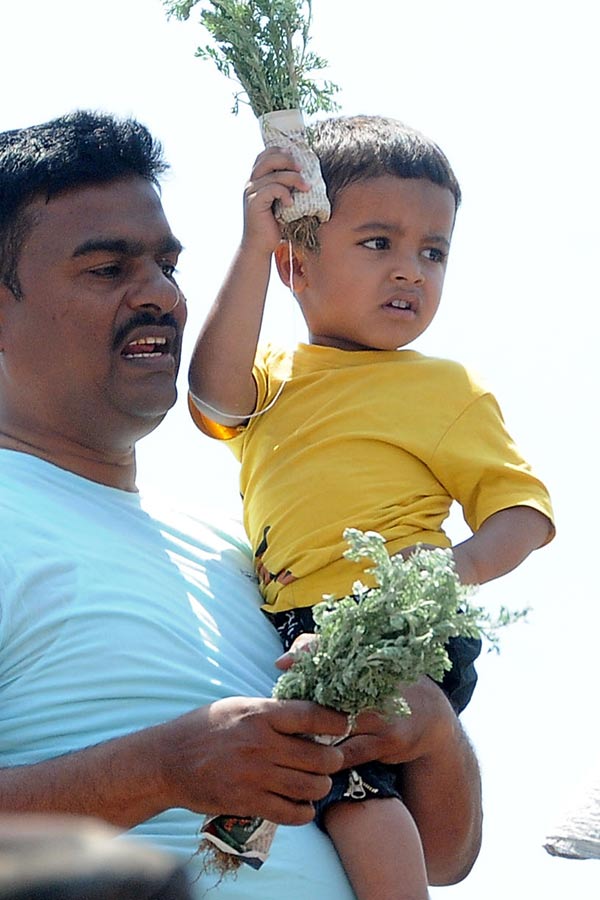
[263, 45]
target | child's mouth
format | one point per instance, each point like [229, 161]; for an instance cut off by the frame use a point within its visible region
[402, 304]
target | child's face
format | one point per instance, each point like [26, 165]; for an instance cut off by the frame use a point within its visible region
[377, 280]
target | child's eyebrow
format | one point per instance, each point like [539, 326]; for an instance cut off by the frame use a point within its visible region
[370, 227]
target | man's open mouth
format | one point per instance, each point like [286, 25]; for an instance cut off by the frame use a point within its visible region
[142, 348]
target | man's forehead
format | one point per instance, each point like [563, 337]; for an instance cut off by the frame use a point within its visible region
[127, 209]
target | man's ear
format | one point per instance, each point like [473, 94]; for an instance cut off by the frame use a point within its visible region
[290, 265]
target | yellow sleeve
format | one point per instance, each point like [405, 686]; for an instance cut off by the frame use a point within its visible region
[210, 428]
[480, 466]
[267, 373]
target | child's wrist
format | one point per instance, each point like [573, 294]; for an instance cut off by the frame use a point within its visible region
[254, 247]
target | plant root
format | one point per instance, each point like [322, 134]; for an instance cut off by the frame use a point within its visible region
[216, 862]
[303, 233]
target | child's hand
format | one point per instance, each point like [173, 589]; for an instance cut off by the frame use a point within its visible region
[274, 177]
[304, 643]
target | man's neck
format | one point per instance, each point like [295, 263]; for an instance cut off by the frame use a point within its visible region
[116, 470]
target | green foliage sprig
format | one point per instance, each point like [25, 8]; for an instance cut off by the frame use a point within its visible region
[263, 44]
[394, 633]
[371, 643]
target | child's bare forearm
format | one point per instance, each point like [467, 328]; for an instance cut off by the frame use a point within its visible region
[504, 540]
[221, 367]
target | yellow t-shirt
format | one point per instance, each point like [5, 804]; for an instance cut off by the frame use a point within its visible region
[375, 440]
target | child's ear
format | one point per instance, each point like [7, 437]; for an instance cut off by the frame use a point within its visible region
[290, 265]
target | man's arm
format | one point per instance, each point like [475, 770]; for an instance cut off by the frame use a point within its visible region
[241, 756]
[220, 373]
[440, 780]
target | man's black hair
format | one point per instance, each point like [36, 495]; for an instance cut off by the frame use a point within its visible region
[79, 149]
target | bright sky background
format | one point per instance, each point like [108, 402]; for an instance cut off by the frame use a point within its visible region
[509, 90]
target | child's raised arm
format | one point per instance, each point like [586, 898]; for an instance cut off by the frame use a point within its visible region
[220, 375]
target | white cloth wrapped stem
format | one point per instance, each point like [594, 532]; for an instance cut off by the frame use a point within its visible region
[285, 128]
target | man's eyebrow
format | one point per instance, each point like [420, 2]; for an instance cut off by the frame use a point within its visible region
[371, 227]
[125, 247]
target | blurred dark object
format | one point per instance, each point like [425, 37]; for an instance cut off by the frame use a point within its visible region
[71, 858]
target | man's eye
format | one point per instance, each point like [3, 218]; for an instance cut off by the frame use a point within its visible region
[111, 270]
[377, 243]
[435, 254]
[169, 269]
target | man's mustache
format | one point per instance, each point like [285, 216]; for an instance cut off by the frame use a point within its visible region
[142, 319]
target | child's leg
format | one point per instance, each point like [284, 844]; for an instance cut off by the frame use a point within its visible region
[380, 848]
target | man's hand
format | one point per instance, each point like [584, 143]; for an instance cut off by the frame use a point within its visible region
[239, 756]
[402, 739]
[247, 756]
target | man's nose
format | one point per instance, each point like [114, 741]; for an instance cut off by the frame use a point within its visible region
[155, 291]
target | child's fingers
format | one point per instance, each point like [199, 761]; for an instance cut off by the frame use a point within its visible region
[279, 186]
[273, 159]
[275, 177]
[262, 193]
[304, 643]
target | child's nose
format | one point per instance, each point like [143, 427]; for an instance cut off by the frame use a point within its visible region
[407, 268]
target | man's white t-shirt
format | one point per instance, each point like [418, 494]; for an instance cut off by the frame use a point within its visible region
[117, 613]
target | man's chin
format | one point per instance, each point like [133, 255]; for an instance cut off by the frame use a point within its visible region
[150, 415]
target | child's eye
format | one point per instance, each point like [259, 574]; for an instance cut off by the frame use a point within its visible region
[377, 243]
[435, 254]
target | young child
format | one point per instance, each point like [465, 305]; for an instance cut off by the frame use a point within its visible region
[350, 430]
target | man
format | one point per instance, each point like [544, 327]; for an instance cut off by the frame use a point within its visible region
[134, 662]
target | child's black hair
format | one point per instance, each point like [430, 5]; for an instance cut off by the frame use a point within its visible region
[356, 148]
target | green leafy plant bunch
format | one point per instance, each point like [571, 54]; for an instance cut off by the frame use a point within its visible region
[368, 645]
[394, 633]
[263, 44]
